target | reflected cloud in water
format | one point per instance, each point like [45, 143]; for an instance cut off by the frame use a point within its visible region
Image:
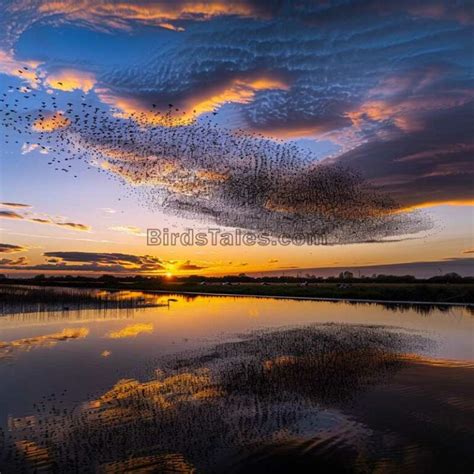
[131, 331]
[48, 340]
[267, 400]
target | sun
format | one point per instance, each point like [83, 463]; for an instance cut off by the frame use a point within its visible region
[169, 275]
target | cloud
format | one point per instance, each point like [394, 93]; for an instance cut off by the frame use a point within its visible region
[13, 204]
[105, 258]
[25, 69]
[10, 215]
[406, 98]
[42, 220]
[109, 15]
[70, 79]
[132, 330]
[50, 122]
[311, 94]
[103, 262]
[234, 89]
[28, 148]
[362, 75]
[11, 248]
[129, 229]
[73, 226]
[426, 165]
[468, 251]
[186, 266]
[100, 262]
[9, 262]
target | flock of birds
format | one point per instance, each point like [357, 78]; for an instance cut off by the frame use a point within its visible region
[195, 168]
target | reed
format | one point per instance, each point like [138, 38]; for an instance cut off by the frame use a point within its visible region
[24, 299]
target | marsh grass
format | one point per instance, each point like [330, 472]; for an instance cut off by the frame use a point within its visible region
[24, 299]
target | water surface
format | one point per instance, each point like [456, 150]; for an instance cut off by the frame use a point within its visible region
[240, 384]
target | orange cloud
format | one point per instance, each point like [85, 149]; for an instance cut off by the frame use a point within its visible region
[169, 26]
[404, 114]
[424, 205]
[385, 102]
[25, 70]
[51, 122]
[71, 79]
[131, 331]
[117, 15]
[240, 90]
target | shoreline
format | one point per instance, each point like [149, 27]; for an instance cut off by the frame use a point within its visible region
[308, 298]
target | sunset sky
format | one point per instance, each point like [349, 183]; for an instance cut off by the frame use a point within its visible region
[383, 88]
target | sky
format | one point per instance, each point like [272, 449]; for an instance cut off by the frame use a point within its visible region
[351, 119]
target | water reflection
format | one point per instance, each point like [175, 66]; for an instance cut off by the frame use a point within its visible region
[240, 385]
[7, 349]
[244, 405]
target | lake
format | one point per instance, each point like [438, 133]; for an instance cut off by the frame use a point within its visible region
[238, 384]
